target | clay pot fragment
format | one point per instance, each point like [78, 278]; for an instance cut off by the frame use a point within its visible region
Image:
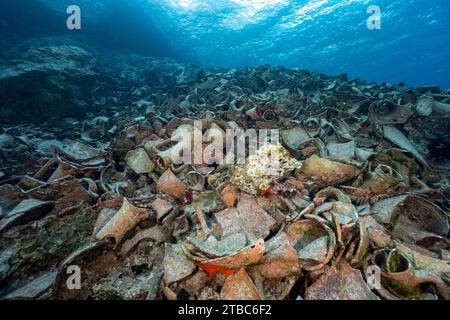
[426, 105]
[104, 216]
[253, 219]
[385, 208]
[312, 127]
[394, 135]
[78, 151]
[162, 208]
[378, 236]
[280, 259]
[139, 161]
[219, 248]
[314, 241]
[27, 210]
[362, 248]
[229, 221]
[340, 282]
[414, 232]
[114, 181]
[157, 234]
[90, 186]
[292, 138]
[344, 213]
[195, 180]
[363, 154]
[254, 113]
[269, 115]
[421, 213]
[275, 289]
[341, 151]
[167, 150]
[239, 286]
[422, 261]
[10, 196]
[332, 193]
[389, 113]
[170, 184]
[64, 169]
[176, 265]
[249, 255]
[382, 179]
[73, 201]
[312, 146]
[34, 289]
[123, 221]
[326, 172]
[228, 194]
[81, 257]
[400, 280]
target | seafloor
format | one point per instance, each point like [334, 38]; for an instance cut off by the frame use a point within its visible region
[93, 207]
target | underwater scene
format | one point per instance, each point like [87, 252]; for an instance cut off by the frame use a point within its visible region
[224, 150]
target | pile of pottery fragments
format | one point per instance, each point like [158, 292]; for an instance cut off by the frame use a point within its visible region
[363, 189]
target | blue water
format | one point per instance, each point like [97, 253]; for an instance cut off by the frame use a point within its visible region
[330, 36]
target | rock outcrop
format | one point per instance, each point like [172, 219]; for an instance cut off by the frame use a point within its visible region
[46, 82]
